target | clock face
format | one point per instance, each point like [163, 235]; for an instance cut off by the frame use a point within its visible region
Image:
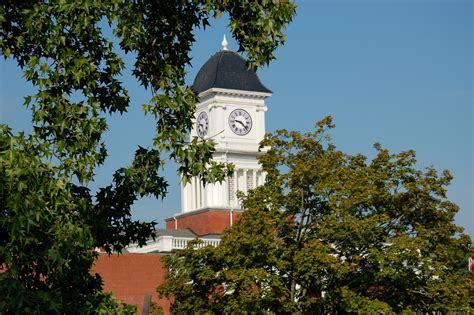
[202, 124]
[240, 122]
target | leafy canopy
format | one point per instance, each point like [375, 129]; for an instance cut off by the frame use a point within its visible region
[50, 222]
[331, 232]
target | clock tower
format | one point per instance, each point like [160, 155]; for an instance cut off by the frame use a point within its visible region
[231, 111]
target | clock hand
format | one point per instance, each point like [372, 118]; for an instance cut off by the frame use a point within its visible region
[201, 127]
[241, 123]
[246, 127]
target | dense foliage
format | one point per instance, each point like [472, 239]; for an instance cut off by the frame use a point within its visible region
[331, 233]
[50, 221]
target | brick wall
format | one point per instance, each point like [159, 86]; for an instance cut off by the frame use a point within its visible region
[131, 276]
[204, 222]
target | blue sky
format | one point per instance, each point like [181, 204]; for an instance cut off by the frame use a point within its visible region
[395, 72]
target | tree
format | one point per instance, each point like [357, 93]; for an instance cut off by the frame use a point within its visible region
[50, 221]
[331, 232]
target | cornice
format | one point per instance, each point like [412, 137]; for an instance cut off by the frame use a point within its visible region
[203, 96]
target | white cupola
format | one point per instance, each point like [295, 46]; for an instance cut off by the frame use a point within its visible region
[231, 111]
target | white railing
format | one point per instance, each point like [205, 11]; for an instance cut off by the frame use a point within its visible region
[166, 243]
[181, 243]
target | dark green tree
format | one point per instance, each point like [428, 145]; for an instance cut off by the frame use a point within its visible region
[331, 232]
[50, 222]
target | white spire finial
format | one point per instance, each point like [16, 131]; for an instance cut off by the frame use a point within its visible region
[224, 43]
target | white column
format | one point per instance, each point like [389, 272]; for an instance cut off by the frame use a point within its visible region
[199, 193]
[195, 194]
[189, 192]
[211, 190]
[245, 180]
[203, 195]
[236, 185]
[254, 178]
[183, 197]
[224, 193]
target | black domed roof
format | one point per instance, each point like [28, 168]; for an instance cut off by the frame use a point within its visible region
[227, 70]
